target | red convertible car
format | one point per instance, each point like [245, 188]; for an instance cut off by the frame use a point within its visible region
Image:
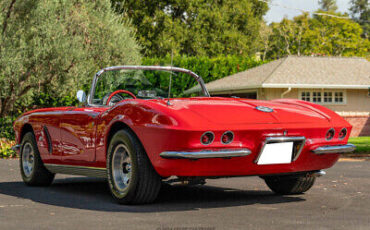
[138, 133]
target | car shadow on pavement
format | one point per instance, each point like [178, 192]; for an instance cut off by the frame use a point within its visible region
[93, 194]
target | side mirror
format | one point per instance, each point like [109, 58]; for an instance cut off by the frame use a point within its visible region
[81, 96]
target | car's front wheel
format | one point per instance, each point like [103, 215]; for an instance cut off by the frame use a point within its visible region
[289, 184]
[131, 177]
[32, 168]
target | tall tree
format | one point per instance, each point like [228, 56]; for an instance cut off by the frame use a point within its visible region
[328, 5]
[324, 35]
[360, 12]
[193, 27]
[56, 46]
[291, 36]
[265, 43]
[338, 37]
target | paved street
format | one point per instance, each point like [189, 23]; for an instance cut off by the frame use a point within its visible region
[339, 200]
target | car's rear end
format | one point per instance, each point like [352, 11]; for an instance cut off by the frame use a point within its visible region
[271, 150]
[227, 137]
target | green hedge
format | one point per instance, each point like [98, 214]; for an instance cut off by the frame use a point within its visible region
[43, 100]
[6, 124]
[209, 69]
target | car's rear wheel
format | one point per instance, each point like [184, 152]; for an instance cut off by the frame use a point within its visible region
[131, 177]
[32, 168]
[290, 184]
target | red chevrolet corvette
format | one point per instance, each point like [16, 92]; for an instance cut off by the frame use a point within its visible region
[138, 133]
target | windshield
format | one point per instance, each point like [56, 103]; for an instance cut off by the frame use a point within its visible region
[144, 84]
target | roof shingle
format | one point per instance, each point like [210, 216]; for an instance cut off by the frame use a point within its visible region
[300, 72]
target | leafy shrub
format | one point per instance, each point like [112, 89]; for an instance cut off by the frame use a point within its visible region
[6, 148]
[57, 46]
[6, 127]
[43, 100]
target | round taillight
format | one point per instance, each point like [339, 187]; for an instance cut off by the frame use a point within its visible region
[207, 138]
[330, 134]
[227, 137]
[343, 133]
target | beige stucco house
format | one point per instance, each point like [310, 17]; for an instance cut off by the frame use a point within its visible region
[341, 84]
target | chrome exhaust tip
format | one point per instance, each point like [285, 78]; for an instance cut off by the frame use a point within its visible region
[318, 173]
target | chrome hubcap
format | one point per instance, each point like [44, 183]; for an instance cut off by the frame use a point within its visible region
[28, 159]
[121, 167]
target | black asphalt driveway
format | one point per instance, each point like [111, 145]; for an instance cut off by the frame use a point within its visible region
[339, 200]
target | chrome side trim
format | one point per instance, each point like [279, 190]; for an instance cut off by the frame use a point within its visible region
[225, 153]
[48, 139]
[77, 170]
[334, 149]
[283, 139]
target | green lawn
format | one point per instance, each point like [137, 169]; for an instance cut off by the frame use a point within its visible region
[362, 144]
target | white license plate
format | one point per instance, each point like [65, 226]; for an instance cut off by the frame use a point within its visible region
[276, 153]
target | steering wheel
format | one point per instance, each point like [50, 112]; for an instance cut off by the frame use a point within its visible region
[120, 91]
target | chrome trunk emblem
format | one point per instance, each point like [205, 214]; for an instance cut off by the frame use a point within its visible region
[264, 109]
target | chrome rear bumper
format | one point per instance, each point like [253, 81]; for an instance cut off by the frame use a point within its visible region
[225, 153]
[334, 149]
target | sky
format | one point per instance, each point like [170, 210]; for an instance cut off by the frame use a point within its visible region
[277, 13]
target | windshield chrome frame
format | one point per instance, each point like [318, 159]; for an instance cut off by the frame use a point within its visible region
[134, 67]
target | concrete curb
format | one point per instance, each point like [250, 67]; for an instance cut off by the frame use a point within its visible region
[356, 156]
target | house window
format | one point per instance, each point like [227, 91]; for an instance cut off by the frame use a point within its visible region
[305, 96]
[338, 97]
[316, 97]
[328, 97]
[323, 97]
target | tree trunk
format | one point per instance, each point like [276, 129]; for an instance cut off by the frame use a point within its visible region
[5, 24]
